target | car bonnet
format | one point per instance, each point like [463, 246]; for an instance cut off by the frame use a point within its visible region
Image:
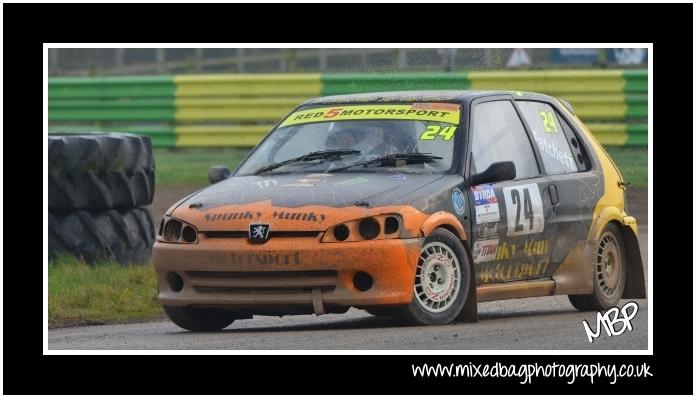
[251, 197]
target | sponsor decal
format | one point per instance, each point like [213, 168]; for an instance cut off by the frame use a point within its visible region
[302, 182]
[436, 105]
[505, 251]
[483, 195]
[446, 114]
[536, 247]
[266, 183]
[485, 204]
[256, 258]
[310, 217]
[554, 152]
[258, 233]
[525, 210]
[485, 250]
[501, 272]
[352, 181]
[244, 215]
[397, 177]
[487, 213]
[488, 230]
[458, 201]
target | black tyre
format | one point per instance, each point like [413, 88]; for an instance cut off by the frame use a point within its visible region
[99, 172]
[609, 273]
[442, 281]
[121, 236]
[199, 319]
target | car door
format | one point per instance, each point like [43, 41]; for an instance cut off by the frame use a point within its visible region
[574, 185]
[509, 219]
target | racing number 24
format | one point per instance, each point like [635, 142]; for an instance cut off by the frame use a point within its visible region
[528, 209]
[431, 132]
[524, 209]
[548, 121]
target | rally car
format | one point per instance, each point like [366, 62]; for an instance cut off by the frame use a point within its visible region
[417, 205]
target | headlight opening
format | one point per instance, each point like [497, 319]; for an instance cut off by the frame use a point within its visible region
[385, 226]
[176, 231]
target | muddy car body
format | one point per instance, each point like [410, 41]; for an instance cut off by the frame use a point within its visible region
[411, 204]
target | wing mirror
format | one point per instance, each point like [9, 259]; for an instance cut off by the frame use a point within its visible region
[218, 173]
[499, 171]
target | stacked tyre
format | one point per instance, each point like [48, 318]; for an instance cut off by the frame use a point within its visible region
[98, 187]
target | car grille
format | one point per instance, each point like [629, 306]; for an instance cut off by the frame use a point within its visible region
[271, 282]
[272, 234]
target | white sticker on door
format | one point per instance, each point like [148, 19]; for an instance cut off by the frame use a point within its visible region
[525, 211]
[485, 204]
[484, 250]
[487, 213]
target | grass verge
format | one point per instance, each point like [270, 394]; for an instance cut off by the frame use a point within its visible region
[632, 161]
[79, 294]
[189, 166]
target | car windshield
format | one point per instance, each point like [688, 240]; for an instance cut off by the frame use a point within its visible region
[355, 137]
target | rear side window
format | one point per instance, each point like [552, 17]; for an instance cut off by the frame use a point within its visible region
[579, 151]
[499, 136]
[548, 132]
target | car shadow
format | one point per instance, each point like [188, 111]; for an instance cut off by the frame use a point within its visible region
[376, 322]
[521, 314]
[366, 322]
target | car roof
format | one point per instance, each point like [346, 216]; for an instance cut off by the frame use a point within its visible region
[422, 96]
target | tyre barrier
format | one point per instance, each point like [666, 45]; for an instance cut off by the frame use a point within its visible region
[98, 185]
[99, 172]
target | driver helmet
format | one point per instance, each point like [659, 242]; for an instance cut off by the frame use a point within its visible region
[342, 137]
[398, 138]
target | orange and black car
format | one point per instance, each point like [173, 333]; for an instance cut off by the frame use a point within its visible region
[416, 205]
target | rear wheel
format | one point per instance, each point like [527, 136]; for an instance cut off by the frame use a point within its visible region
[442, 281]
[609, 273]
[199, 319]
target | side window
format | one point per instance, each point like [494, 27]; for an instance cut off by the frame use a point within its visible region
[548, 132]
[579, 152]
[498, 136]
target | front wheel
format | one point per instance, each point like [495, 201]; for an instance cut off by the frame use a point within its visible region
[199, 319]
[442, 281]
[609, 273]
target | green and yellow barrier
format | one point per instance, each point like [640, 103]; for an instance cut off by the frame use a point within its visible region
[238, 110]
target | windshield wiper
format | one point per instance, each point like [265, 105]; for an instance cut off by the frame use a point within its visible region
[396, 159]
[316, 155]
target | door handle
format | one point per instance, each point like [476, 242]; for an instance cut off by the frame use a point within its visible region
[553, 194]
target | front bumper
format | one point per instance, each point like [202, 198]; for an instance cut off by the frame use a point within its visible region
[234, 273]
